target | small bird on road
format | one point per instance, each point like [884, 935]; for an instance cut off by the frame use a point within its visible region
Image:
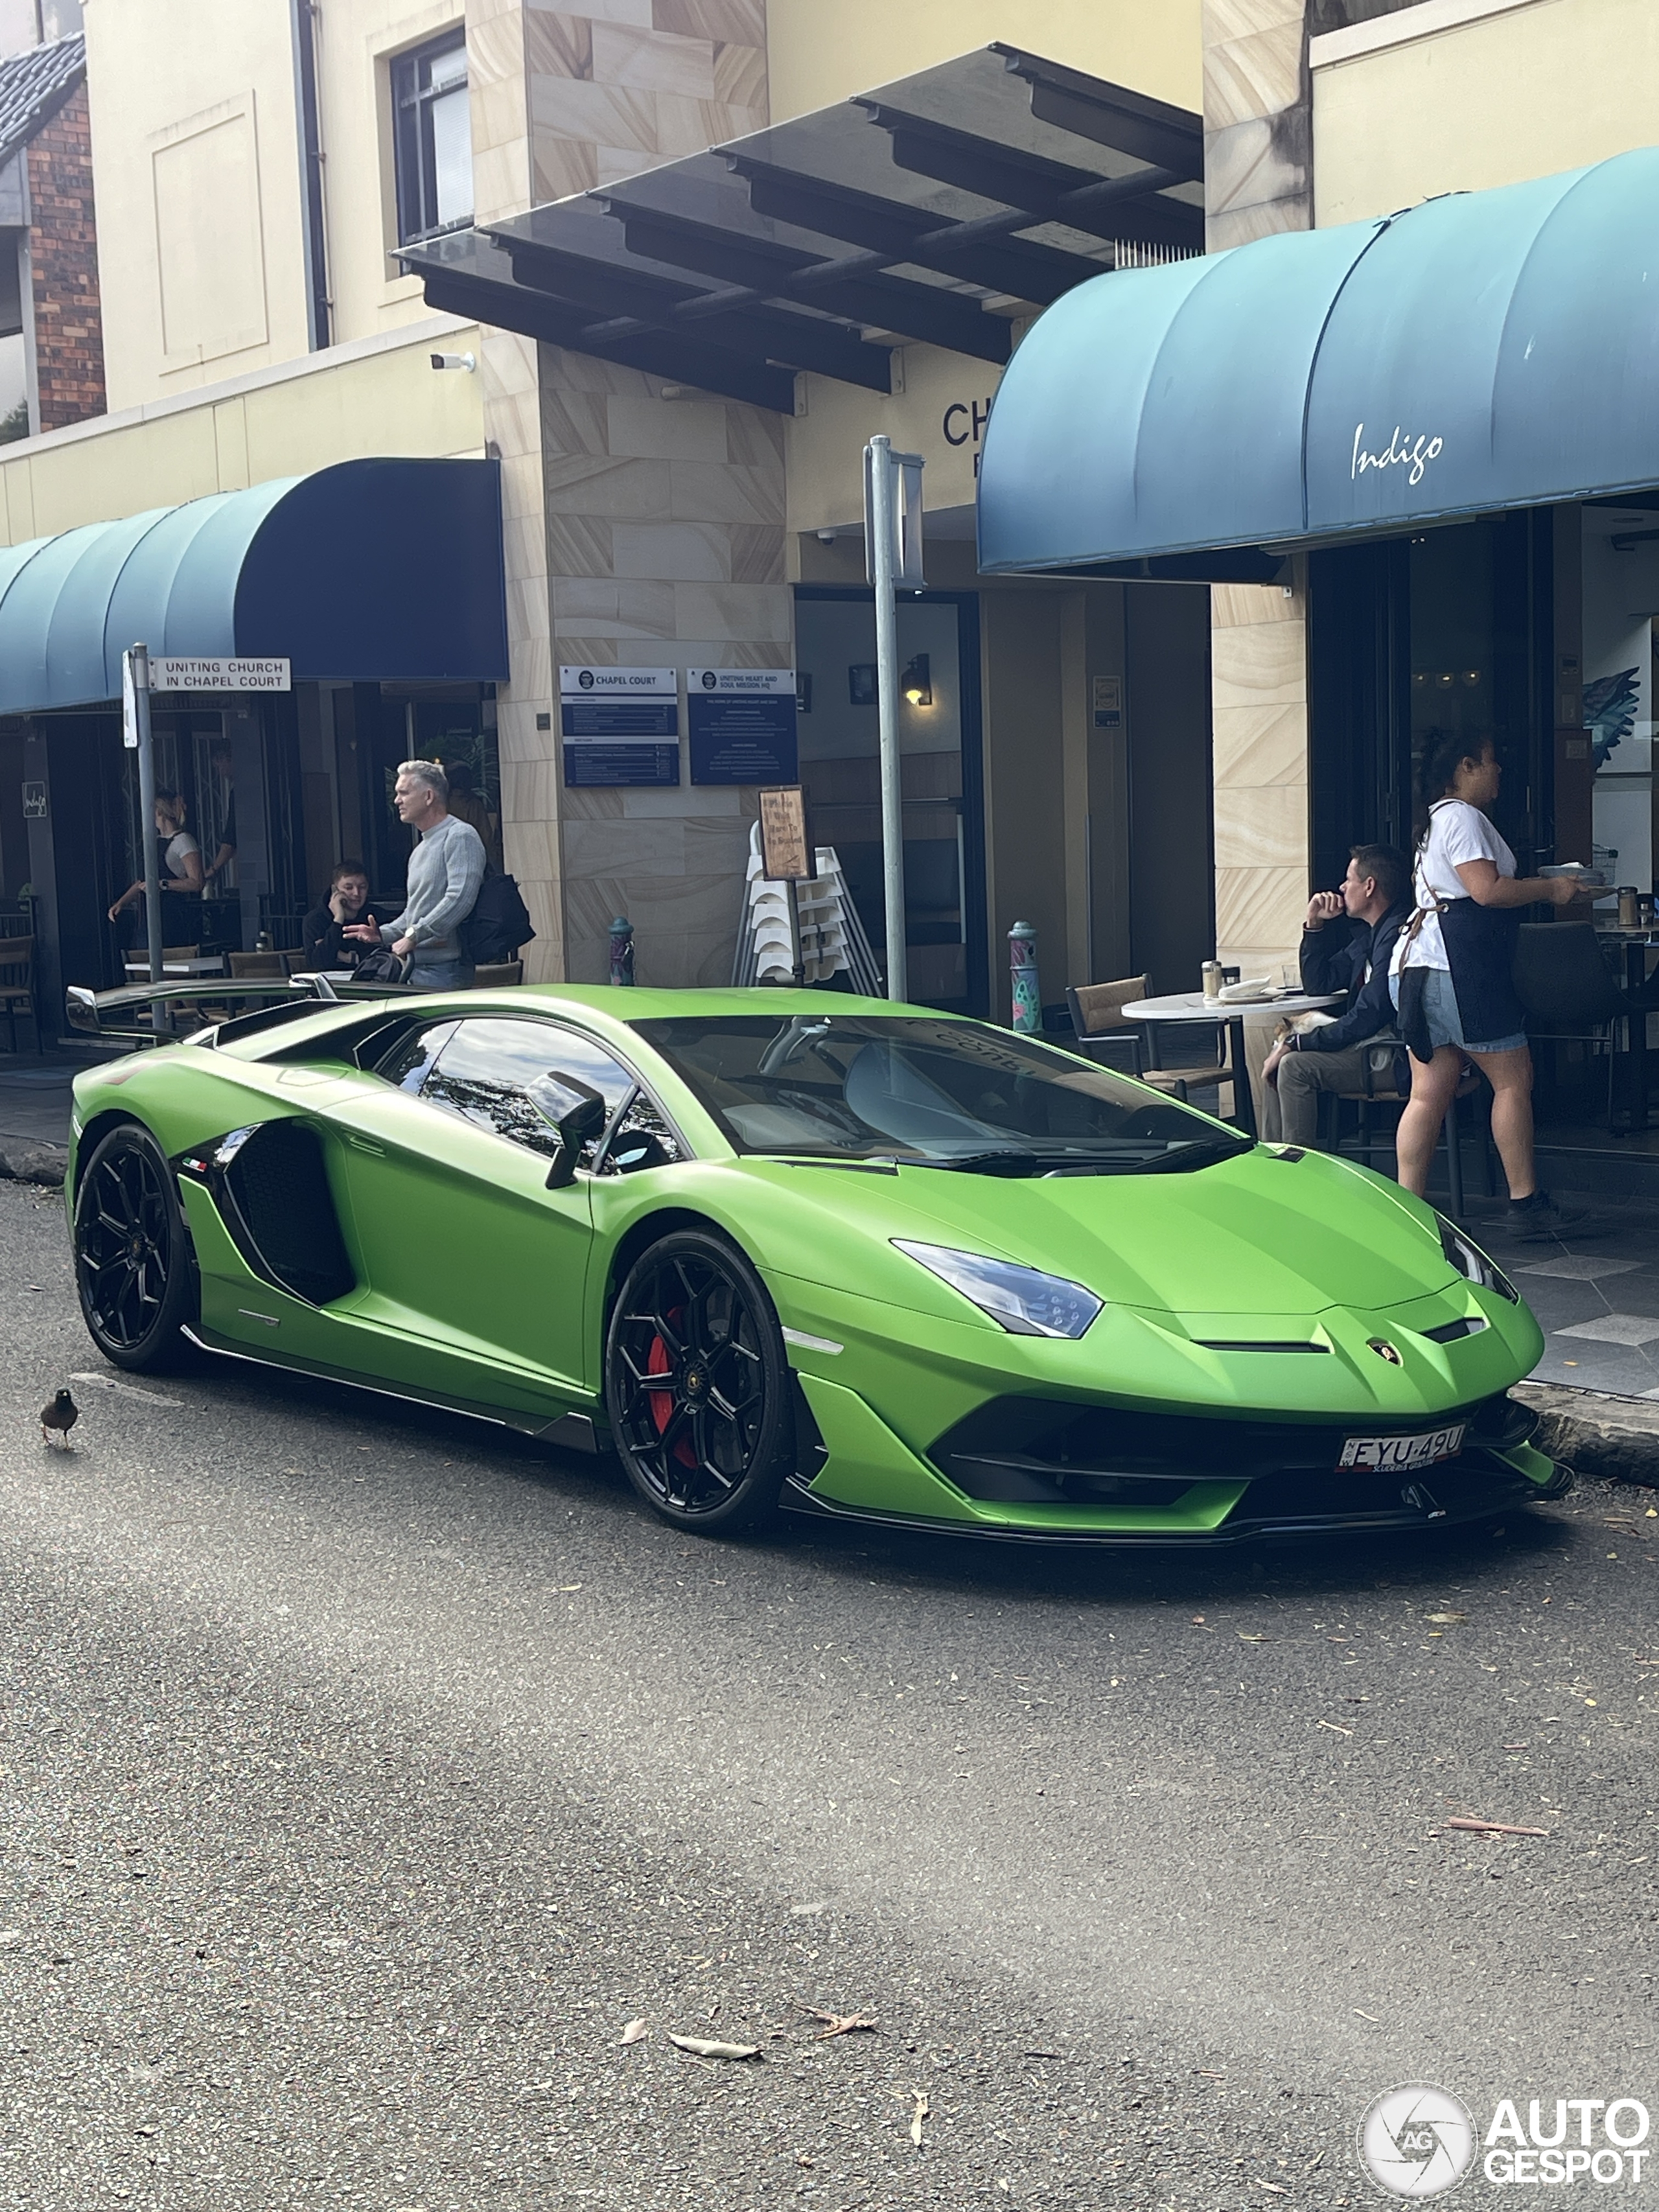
[58, 1418]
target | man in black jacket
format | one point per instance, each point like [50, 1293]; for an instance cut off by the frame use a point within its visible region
[1346, 941]
[322, 933]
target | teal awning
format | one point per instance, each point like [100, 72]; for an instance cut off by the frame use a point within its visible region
[370, 569]
[1483, 351]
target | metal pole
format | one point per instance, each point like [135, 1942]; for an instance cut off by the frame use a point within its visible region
[883, 535]
[138, 659]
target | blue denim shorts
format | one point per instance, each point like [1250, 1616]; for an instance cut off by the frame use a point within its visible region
[1446, 1024]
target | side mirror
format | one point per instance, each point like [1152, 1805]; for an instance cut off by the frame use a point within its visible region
[579, 1114]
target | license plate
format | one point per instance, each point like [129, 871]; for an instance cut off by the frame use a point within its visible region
[1403, 1454]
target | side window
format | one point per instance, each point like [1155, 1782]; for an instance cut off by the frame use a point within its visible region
[504, 1075]
[432, 138]
[411, 1058]
[639, 1138]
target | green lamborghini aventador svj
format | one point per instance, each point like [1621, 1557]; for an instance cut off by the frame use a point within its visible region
[796, 1249]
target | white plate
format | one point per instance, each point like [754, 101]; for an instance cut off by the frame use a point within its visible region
[1401, 1454]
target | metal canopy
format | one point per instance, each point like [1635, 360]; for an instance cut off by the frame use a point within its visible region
[937, 209]
[1482, 351]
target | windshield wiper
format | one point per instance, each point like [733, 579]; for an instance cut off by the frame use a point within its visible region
[1201, 1152]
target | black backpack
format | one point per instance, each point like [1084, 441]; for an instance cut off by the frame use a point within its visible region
[499, 923]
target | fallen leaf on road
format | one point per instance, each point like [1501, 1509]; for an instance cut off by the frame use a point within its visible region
[635, 2031]
[563, 1589]
[1496, 1828]
[1443, 1617]
[699, 2046]
[1245, 1638]
[1274, 2185]
[1375, 2017]
[920, 2115]
[839, 2023]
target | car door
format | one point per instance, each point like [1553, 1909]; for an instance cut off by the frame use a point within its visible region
[446, 1164]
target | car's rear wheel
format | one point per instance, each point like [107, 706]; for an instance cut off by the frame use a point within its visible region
[698, 1385]
[133, 1265]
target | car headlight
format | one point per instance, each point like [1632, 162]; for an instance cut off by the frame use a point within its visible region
[1025, 1301]
[1472, 1263]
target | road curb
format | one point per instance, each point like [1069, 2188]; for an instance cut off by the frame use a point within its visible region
[26, 1163]
[1614, 1438]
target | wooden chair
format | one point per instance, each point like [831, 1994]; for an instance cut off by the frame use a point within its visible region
[178, 952]
[1106, 1034]
[255, 966]
[17, 989]
[497, 974]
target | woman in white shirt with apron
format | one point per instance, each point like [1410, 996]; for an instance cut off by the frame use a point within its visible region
[1453, 982]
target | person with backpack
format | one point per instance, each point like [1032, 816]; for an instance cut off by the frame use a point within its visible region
[446, 869]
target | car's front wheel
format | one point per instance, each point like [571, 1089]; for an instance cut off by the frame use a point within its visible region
[133, 1264]
[698, 1385]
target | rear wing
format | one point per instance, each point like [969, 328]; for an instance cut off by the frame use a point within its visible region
[153, 1013]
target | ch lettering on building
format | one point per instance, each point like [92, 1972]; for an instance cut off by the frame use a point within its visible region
[963, 421]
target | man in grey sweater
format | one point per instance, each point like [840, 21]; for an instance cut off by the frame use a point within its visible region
[445, 870]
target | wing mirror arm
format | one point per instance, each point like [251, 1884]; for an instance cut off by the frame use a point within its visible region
[585, 1121]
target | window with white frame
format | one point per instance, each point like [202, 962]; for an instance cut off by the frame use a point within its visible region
[432, 138]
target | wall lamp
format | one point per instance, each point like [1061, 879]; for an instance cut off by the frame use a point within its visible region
[916, 682]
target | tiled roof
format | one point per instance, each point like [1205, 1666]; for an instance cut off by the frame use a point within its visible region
[34, 86]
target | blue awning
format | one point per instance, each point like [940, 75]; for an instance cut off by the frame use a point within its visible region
[367, 570]
[1482, 351]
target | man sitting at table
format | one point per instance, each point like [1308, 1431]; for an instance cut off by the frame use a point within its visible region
[1346, 943]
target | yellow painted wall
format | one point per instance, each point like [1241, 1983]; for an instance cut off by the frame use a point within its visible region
[388, 402]
[357, 38]
[198, 170]
[1524, 94]
[821, 50]
[201, 229]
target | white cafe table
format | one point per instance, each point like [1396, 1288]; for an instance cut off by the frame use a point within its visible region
[1187, 1008]
[209, 964]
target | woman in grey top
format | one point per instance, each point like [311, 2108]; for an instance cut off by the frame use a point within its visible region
[445, 870]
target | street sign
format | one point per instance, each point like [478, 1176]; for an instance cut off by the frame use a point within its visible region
[184, 674]
[786, 856]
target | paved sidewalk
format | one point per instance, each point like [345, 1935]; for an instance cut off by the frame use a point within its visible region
[1596, 1295]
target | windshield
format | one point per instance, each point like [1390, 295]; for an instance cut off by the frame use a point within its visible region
[910, 1087]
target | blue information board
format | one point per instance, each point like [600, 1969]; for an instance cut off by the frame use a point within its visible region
[741, 722]
[620, 725]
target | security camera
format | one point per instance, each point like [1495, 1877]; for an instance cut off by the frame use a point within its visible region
[826, 537]
[466, 360]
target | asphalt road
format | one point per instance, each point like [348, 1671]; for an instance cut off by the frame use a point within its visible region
[364, 1774]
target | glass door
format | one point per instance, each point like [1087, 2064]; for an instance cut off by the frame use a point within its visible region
[939, 771]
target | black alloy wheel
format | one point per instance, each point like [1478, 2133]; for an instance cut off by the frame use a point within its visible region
[134, 1268]
[698, 1385]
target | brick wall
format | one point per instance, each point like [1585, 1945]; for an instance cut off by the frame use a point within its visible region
[69, 337]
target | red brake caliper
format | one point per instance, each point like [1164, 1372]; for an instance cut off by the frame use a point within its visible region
[662, 1401]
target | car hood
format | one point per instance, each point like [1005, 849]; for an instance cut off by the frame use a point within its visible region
[1263, 1233]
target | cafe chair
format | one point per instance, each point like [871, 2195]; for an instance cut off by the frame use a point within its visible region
[177, 952]
[497, 974]
[17, 989]
[1105, 1033]
[1568, 992]
[256, 967]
